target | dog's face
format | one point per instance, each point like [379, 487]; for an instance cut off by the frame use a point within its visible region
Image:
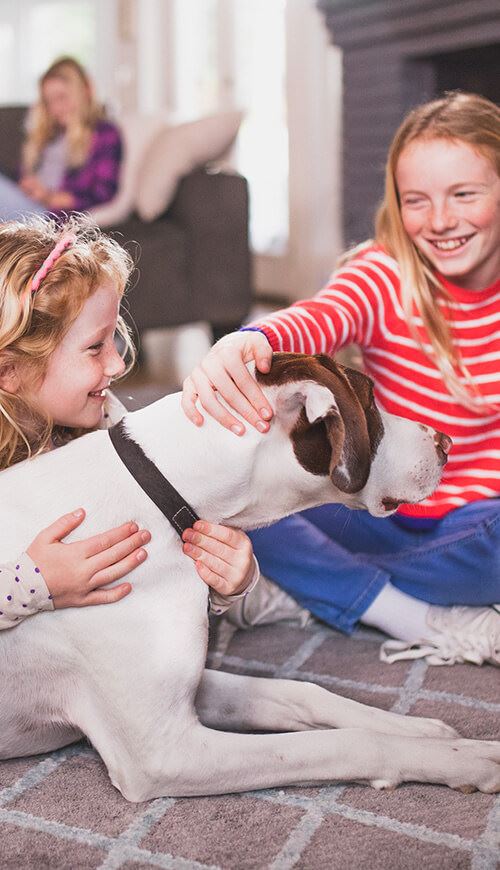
[374, 460]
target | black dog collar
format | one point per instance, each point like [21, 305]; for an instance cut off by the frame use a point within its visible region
[152, 481]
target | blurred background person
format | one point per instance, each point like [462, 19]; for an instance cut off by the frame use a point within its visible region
[72, 154]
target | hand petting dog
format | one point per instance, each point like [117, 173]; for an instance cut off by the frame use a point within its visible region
[75, 572]
[223, 556]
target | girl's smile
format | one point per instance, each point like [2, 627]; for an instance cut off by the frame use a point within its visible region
[450, 208]
[450, 245]
[80, 370]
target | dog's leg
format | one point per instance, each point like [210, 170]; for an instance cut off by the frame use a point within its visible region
[239, 703]
[155, 746]
[200, 761]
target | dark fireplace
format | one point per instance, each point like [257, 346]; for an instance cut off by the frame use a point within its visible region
[396, 54]
[470, 69]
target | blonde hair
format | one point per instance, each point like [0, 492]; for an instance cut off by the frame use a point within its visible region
[78, 135]
[32, 325]
[456, 117]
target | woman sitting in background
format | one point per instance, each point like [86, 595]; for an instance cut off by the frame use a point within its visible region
[71, 157]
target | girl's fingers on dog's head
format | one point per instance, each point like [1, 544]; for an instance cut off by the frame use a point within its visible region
[209, 401]
[188, 402]
[118, 569]
[258, 348]
[231, 354]
[249, 388]
[234, 384]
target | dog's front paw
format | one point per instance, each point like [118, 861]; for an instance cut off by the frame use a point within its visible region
[475, 766]
[466, 765]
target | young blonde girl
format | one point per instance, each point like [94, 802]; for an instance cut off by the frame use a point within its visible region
[422, 302]
[72, 154]
[60, 292]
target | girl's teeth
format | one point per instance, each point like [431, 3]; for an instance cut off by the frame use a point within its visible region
[449, 244]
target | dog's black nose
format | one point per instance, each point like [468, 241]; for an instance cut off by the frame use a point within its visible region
[443, 446]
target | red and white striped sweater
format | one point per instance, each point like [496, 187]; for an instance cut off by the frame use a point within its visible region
[362, 305]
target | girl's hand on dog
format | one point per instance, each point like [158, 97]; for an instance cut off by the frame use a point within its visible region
[75, 572]
[223, 557]
[224, 371]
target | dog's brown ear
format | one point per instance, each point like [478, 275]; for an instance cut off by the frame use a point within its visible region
[345, 428]
[314, 399]
[350, 473]
[318, 443]
[318, 406]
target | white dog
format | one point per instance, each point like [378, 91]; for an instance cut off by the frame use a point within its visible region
[131, 676]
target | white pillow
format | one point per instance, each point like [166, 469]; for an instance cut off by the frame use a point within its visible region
[175, 152]
[138, 131]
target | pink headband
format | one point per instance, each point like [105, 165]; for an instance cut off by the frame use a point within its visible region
[54, 255]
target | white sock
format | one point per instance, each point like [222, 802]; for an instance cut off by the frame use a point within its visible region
[399, 615]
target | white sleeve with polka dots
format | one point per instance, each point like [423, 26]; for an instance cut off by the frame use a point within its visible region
[23, 591]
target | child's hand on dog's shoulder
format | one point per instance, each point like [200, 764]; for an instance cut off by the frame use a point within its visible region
[223, 557]
[75, 572]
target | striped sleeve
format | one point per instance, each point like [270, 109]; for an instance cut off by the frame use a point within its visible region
[350, 310]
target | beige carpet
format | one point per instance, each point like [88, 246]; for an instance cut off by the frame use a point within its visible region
[60, 810]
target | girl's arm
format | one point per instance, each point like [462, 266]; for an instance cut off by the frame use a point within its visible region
[224, 560]
[52, 574]
[341, 314]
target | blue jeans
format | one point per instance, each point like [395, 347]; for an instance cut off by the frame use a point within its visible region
[334, 562]
[14, 204]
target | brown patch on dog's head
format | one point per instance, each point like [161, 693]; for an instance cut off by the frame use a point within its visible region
[343, 438]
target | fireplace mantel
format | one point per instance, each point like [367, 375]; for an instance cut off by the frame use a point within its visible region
[396, 54]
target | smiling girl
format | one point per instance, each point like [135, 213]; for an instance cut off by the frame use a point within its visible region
[60, 293]
[423, 303]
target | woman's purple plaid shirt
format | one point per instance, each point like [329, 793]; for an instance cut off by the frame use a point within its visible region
[97, 180]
